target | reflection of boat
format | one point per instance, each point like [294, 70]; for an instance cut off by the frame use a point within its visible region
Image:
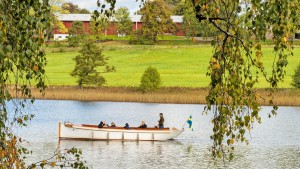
[92, 132]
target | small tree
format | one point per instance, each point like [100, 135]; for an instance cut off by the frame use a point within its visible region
[296, 78]
[87, 65]
[191, 25]
[76, 33]
[150, 80]
[124, 22]
[99, 25]
[156, 20]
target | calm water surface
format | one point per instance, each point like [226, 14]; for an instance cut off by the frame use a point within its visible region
[273, 144]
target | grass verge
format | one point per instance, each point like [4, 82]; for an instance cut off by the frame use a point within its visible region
[178, 65]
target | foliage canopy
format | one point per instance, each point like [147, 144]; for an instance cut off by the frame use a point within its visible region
[156, 19]
[55, 11]
[74, 9]
[124, 22]
[76, 33]
[99, 25]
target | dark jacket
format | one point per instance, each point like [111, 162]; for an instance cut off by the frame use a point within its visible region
[161, 122]
[143, 126]
[101, 124]
[126, 126]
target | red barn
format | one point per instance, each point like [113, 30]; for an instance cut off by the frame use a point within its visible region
[67, 20]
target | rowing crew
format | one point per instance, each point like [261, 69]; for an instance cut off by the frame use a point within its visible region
[143, 124]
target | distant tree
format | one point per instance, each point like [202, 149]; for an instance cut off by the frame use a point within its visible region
[55, 11]
[173, 2]
[156, 20]
[124, 22]
[76, 33]
[99, 25]
[191, 25]
[296, 78]
[179, 9]
[150, 80]
[176, 6]
[84, 11]
[74, 9]
[87, 66]
[137, 12]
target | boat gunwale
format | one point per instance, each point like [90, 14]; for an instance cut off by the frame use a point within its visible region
[130, 130]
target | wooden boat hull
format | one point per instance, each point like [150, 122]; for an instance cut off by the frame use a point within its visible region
[92, 132]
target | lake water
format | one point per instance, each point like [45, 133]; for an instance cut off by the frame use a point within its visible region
[273, 144]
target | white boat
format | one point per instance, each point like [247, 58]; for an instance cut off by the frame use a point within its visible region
[92, 132]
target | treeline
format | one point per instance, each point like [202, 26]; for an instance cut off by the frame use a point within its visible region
[156, 19]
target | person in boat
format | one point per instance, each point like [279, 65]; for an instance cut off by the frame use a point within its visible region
[161, 121]
[143, 125]
[113, 124]
[105, 124]
[126, 126]
[102, 124]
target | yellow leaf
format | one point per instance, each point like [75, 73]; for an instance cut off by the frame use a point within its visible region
[216, 66]
[284, 39]
[19, 120]
[220, 37]
[281, 16]
[53, 164]
[248, 127]
[35, 68]
[2, 153]
[231, 141]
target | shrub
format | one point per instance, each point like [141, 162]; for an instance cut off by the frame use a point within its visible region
[296, 78]
[138, 38]
[150, 80]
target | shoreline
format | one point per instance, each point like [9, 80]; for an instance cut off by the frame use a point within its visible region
[173, 95]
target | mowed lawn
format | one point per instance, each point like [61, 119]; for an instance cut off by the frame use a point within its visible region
[181, 66]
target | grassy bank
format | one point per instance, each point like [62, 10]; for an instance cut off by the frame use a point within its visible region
[283, 97]
[178, 65]
[182, 66]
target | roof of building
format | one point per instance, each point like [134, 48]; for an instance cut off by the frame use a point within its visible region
[87, 17]
[74, 17]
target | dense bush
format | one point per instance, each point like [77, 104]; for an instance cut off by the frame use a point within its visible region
[139, 38]
[296, 78]
[150, 80]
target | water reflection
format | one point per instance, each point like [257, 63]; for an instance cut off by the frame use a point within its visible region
[125, 154]
[275, 143]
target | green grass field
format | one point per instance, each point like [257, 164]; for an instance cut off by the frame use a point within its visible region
[180, 65]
